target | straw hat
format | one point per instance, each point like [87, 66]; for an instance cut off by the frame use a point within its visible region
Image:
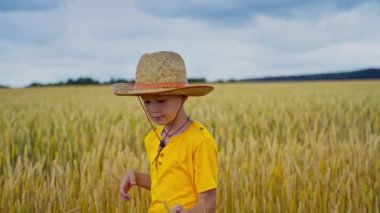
[161, 73]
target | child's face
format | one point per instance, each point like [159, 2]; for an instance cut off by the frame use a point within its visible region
[162, 109]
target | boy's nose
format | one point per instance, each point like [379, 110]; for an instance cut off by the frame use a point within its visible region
[153, 107]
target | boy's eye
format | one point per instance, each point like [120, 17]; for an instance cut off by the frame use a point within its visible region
[146, 102]
[161, 101]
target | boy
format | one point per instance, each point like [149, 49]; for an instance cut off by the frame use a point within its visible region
[183, 155]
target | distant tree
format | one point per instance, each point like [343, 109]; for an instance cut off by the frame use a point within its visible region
[35, 84]
[372, 73]
[82, 81]
[118, 80]
[197, 80]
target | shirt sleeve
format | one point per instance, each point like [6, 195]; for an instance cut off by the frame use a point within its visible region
[206, 165]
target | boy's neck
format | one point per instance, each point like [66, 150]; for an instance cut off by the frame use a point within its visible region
[181, 119]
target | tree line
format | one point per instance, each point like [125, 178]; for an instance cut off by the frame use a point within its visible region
[89, 81]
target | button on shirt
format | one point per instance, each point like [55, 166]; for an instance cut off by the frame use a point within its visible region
[187, 166]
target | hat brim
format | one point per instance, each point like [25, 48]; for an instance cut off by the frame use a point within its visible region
[126, 89]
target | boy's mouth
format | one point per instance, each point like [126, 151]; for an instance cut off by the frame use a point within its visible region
[157, 117]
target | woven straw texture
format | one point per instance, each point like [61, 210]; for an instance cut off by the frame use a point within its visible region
[161, 67]
[161, 73]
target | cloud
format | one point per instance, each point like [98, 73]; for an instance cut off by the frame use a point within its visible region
[300, 35]
[106, 39]
[29, 5]
[233, 11]
[32, 28]
[343, 40]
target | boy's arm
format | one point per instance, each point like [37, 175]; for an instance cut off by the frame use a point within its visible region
[143, 180]
[132, 178]
[206, 203]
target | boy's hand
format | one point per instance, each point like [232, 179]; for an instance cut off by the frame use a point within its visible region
[127, 182]
[178, 209]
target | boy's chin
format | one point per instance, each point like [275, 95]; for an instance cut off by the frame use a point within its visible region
[161, 123]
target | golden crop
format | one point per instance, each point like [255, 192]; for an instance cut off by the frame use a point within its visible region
[284, 147]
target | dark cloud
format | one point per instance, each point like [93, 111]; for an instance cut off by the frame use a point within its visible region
[29, 5]
[240, 10]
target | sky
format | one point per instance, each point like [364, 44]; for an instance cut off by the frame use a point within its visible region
[49, 41]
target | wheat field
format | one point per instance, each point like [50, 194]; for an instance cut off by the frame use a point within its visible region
[283, 147]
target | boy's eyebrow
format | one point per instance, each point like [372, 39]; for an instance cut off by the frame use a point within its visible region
[155, 97]
[161, 97]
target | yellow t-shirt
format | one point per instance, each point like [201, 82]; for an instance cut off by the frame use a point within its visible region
[188, 165]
